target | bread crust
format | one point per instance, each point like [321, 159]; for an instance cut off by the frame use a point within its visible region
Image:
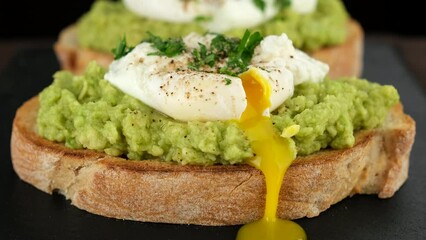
[344, 59]
[156, 191]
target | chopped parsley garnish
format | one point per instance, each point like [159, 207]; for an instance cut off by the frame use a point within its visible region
[225, 55]
[282, 3]
[278, 3]
[202, 57]
[239, 58]
[169, 47]
[260, 4]
[122, 49]
[202, 18]
[236, 53]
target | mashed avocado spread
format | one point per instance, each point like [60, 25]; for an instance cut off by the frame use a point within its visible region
[108, 21]
[88, 112]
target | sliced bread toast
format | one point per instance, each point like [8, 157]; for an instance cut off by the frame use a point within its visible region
[156, 191]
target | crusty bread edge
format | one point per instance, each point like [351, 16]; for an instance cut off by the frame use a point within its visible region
[156, 191]
[344, 59]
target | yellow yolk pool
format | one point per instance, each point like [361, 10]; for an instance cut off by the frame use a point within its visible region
[273, 157]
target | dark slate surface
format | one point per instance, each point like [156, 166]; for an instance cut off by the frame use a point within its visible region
[27, 213]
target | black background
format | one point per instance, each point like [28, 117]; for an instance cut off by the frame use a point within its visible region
[31, 18]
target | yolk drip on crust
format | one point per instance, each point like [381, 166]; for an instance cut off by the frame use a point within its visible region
[273, 157]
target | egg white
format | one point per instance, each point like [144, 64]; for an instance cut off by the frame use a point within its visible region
[167, 85]
[304, 6]
[223, 15]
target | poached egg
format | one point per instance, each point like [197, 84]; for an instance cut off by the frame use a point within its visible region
[169, 86]
[216, 15]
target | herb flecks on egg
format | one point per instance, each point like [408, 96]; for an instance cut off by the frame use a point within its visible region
[230, 56]
[173, 75]
[122, 49]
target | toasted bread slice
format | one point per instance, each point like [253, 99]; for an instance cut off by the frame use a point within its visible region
[156, 191]
[344, 59]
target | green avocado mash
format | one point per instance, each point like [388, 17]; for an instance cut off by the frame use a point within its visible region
[107, 22]
[88, 112]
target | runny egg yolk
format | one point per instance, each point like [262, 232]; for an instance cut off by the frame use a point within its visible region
[273, 156]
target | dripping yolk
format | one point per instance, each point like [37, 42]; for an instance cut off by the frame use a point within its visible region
[273, 156]
[258, 92]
